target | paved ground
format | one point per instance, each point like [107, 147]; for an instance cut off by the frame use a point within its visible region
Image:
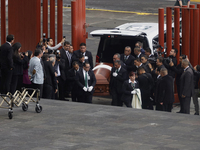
[75, 126]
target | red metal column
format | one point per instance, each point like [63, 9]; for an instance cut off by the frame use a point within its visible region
[45, 17]
[161, 26]
[194, 51]
[74, 21]
[52, 19]
[83, 22]
[3, 22]
[38, 23]
[169, 30]
[191, 34]
[186, 32]
[59, 20]
[177, 32]
[198, 6]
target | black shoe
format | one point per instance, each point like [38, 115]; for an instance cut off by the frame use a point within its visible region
[196, 113]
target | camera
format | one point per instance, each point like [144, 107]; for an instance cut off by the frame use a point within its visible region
[44, 37]
[63, 37]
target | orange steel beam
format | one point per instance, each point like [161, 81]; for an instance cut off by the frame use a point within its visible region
[59, 20]
[169, 30]
[191, 35]
[195, 39]
[177, 32]
[52, 19]
[198, 6]
[74, 24]
[161, 26]
[3, 22]
[186, 32]
[45, 17]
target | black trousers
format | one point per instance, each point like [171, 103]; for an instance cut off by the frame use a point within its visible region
[85, 98]
[37, 86]
[186, 105]
[14, 82]
[116, 98]
[128, 102]
[179, 97]
[47, 91]
[74, 94]
[6, 77]
[66, 88]
[159, 107]
[61, 85]
[167, 107]
[146, 102]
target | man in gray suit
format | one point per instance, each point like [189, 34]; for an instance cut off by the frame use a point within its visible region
[186, 86]
[35, 71]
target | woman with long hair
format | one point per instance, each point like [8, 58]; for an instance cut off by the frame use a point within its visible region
[18, 60]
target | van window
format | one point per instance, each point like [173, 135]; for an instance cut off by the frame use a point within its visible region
[110, 45]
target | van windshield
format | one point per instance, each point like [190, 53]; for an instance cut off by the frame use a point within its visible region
[110, 45]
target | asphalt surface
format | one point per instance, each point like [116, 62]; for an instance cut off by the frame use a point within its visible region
[76, 126]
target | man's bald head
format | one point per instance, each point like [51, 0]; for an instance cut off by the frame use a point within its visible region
[163, 72]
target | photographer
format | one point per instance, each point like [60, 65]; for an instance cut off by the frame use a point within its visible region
[171, 58]
[50, 45]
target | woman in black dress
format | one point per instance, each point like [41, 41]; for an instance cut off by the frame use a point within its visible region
[128, 89]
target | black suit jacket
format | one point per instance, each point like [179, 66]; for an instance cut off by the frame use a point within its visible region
[165, 90]
[146, 83]
[61, 64]
[72, 77]
[187, 83]
[77, 53]
[127, 88]
[117, 82]
[129, 62]
[6, 56]
[67, 64]
[50, 78]
[18, 64]
[81, 81]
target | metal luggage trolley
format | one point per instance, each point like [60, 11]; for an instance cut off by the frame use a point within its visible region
[24, 98]
[9, 103]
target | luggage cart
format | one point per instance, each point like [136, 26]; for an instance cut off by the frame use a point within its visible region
[26, 98]
[8, 103]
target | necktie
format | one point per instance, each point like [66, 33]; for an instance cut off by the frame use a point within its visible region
[125, 58]
[117, 71]
[133, 85]
[85, 79]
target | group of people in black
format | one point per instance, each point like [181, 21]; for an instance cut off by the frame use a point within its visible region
[155, 76]
[56, 73]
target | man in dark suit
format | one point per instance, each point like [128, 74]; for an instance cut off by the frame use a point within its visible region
[165, 91]
[83, 51]
[50, 84]
[186, 86]
[140, 45]
[66, 53]
[6, 59]
[128, 59]
[72, 80]
[137, 52]
[59, 68]
[86, 81]
[145, 83]
[118, 76]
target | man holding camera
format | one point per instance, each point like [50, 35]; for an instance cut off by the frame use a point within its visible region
[50, 46]
[171, 59]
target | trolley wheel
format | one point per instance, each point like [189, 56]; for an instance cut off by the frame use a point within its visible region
[38, 109]
[10, 115]
[24, 107]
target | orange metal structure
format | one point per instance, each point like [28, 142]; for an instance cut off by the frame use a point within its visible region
[190, 32]
[79, 34]
[161, 26]
[3, 21]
